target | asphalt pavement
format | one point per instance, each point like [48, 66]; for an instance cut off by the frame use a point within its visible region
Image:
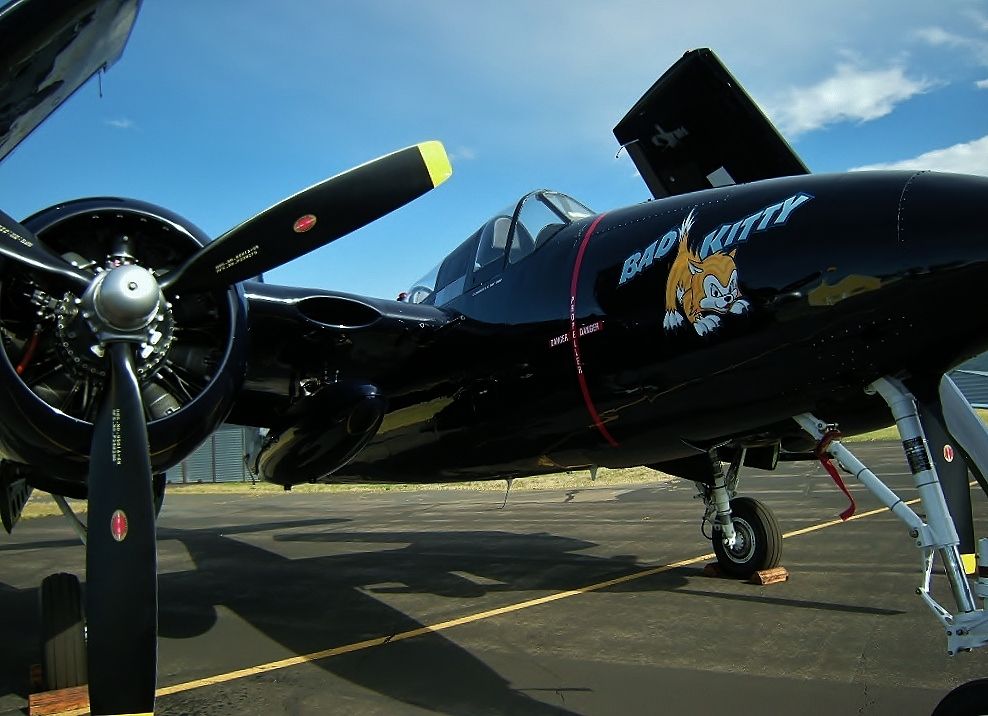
[582, 601]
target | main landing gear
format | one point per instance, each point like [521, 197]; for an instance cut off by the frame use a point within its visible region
[64, 662]
[745, 535]
[63, 633]
[970, 699]
[950, 414]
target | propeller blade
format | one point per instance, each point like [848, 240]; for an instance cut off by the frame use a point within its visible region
[121, 561]
[19, 244]
[314, 217]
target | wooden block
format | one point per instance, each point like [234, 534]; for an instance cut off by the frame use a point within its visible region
[712, 570]
[770, 576]
[50, 703]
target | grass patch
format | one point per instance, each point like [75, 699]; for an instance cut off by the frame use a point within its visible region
[891, 433]
[42, 504]
[554, 481]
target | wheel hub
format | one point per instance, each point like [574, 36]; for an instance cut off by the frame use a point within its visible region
[744, 544]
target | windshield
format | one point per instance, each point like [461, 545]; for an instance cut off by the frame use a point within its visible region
[517, 230]
[422, 288]
[540, 216]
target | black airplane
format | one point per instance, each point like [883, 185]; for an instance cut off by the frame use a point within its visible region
[751, 313]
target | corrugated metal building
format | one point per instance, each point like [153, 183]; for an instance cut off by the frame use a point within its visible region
[219, 459]
[972, 378]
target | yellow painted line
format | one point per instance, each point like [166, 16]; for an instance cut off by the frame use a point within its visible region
[82, 712]
[831, 523]
[468, 619]
[421, 631]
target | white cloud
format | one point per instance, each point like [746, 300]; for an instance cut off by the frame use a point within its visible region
[981, 84]
[120, 123]
[850, 94]
[938, 37]
[532, 76]
[966, 158]
[462, 154]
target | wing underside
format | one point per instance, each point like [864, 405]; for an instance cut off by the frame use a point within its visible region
[49, 49]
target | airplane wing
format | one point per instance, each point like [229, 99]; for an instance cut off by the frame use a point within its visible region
[380, 355]
[49, 50]
[297, 332]
[696, 128]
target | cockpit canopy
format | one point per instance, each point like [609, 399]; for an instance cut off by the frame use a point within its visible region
[507, 238]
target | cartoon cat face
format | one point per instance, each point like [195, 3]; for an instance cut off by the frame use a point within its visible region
[715, 282]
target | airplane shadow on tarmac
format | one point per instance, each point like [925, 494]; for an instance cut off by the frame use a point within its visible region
[313, 603]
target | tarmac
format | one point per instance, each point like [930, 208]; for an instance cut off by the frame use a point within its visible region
[582, 601]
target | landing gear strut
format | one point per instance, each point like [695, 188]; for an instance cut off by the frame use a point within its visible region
[746, 536]
[936, 535]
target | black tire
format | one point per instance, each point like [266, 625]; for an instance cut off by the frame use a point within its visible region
[63, 632]
[759, 544]
[970, 699]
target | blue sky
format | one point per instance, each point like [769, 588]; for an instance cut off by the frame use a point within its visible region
[219, 109]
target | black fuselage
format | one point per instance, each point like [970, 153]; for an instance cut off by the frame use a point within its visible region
[567, 358]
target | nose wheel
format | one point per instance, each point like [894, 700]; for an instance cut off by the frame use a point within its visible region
[745, 535]
[757, 543]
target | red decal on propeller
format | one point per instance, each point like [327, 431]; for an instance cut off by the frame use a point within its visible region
[574, 336]
[118, 526]
[304, 223]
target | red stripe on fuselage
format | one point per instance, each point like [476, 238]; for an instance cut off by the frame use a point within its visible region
[574, 335]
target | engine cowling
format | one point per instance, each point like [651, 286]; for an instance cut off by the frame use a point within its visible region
[51, 370]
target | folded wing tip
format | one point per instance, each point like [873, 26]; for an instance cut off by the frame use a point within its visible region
[436, 161]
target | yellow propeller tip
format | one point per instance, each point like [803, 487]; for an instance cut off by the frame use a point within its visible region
[434, 155]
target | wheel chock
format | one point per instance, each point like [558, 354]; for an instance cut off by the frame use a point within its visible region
[761, 578]
[770, 576]
[52, 703]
